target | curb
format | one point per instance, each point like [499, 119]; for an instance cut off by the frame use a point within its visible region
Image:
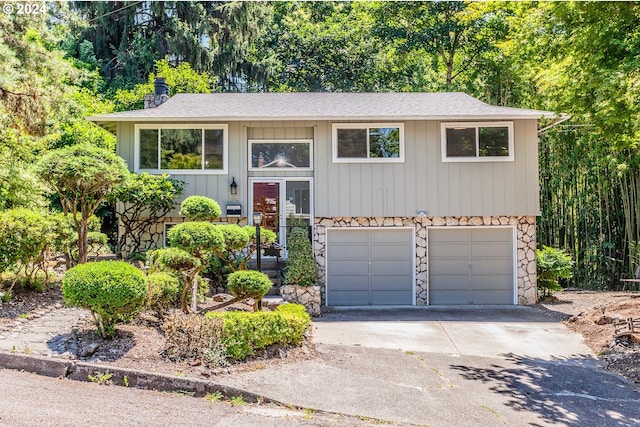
[80, 371]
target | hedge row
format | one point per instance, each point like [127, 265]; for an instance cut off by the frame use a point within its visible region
[244, 333]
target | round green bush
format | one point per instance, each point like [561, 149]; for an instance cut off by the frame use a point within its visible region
[200, 208]
[235, 237]
[114, 291]
[172, 259]
[198, 238]
[248, 284]
[163, 290]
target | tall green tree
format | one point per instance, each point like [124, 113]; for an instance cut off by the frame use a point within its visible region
[212, 36]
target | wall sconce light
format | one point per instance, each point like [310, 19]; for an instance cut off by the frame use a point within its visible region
[422, 214]
[233, 187]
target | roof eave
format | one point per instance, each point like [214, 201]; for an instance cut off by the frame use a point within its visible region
[101, 121]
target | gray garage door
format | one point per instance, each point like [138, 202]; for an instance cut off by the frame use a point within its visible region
[370, 267]
[471, 266]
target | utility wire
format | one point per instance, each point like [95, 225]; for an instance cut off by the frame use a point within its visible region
[115, 11]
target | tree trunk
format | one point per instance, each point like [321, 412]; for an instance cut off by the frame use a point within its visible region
[82, 241]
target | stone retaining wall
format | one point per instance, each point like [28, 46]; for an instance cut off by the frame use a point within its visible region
[153, 237]
[309, 296]
[526, 245]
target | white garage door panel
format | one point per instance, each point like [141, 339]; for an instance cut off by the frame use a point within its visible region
[383, 263]
[471, 266]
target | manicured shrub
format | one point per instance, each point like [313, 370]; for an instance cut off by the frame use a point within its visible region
[179, 261]
[192, 336]
[552, 264]
[301, 267]
[172, 259]
[200, 208]
[243, 333]
[114, 291]
[163, 291]
[198, 238]
[249, 284]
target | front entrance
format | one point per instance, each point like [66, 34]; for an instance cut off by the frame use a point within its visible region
[284, 203]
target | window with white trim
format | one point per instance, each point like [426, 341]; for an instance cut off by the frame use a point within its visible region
[368, 142]
[280, 154]
[483, 142]
[182, 148]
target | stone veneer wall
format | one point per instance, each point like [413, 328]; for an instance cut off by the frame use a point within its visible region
[154, 237]
[526, 245]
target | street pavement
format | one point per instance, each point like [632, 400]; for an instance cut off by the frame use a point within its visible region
[493, 366]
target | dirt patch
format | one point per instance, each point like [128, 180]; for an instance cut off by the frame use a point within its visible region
[593, 314]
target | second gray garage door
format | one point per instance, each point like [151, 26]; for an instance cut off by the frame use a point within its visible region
[370, 266]
[471, 266]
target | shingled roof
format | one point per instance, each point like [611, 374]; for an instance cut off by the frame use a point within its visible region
[322, 106]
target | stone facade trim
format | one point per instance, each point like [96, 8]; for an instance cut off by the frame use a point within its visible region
[525, 251]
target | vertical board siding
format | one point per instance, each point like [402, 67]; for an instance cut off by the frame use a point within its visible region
[422, 182]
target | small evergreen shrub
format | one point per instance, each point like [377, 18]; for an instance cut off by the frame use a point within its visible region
[243, 333]
[171, 259]
[114, 291]
[301, 267]
[197, 337]
[200, 208]
[552, 264]
[198, 238]
[163, 291]
[249, 284]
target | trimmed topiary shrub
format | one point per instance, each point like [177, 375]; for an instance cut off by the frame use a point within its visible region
[243, 333]
[249, 284]
[200, 208]
[301, 267]
[199, 238]
[179, 261]
[163, 291]
[114, 291]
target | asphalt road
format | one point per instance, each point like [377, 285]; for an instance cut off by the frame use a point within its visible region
[31, 400]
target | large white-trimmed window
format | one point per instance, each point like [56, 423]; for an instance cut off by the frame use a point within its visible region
[189, 148]
[368, 142]
[280, 154]
[477, 142]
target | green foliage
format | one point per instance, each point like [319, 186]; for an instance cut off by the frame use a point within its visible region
[231, 259]
[82, 176]
[163, 291]
[200, 208]
[301, 267]
[552, 264]
[194, 337]
[198, 238]
[144, 200]
[25, 238]
[244, 333]
[114, 291]
[172, 259]
[248, 284]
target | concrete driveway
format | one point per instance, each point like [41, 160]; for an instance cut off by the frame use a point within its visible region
[492, 366]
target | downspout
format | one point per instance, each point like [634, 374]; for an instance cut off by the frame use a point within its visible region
[563, 118]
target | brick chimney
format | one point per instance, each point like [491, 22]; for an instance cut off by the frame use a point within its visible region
[161, 94]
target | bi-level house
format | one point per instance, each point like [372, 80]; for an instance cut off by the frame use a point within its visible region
[412, 198]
